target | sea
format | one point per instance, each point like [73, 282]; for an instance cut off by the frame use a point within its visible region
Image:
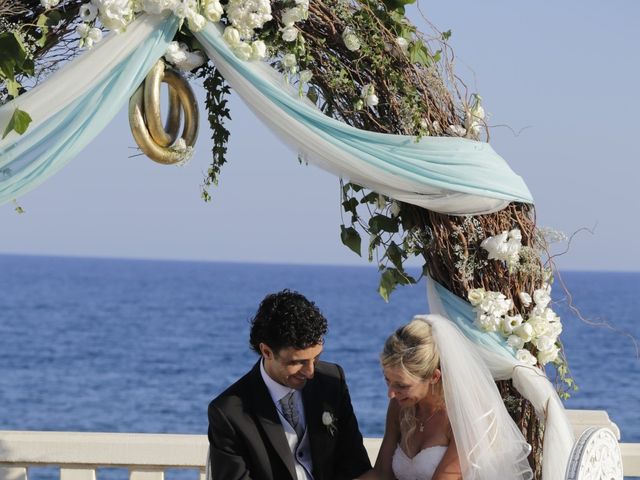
[114, 345]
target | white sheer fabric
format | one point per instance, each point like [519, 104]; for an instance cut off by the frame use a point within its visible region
[490, 445]
[535, 387]
[323, 153]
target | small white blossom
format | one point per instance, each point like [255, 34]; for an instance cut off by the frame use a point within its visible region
[293, 15]
[88, 12]
[457, 130]
[289, 34]
[114, 14]
[95, 34]
[351, 40]
[248, 15]
[550, 355]
[525, 357]
[515, 341]
[368, 94]
[195, 21]
[510, 323]
[544, 342]
[176, 53]
[49, 3]
[542, 296]
[83, 30]
[525, 299]
[306, 76]
[402, 44]
[476, 296]
[505, 246]
[289, 61]
[156, 7]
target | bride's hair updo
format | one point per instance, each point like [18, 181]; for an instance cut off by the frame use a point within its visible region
[413, 349]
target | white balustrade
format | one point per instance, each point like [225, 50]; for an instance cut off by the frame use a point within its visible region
[147, 456]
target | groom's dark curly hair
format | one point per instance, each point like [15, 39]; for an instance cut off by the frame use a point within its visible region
[287, 319]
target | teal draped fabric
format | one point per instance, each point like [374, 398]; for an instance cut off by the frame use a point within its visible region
[455, 164]
[28, 160]
[461, 313]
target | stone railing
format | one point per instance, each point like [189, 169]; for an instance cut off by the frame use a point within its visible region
[147, 456]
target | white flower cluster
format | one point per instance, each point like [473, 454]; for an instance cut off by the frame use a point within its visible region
[505, 246]
[178, 54]
[246, 16]
[541, 328]
[117, 14]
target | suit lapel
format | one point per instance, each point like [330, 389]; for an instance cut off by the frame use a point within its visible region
[268, 418]
[312, 400]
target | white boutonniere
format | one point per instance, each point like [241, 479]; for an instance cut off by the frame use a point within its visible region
[329, 421]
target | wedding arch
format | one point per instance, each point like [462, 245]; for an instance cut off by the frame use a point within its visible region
[356, 90]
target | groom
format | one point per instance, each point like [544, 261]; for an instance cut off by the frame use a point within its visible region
[290, 417]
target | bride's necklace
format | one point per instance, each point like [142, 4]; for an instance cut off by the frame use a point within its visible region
[422, 422]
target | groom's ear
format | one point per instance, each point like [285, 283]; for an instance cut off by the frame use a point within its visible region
[266, 351]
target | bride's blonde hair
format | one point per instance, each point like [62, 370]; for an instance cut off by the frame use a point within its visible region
[413, 349]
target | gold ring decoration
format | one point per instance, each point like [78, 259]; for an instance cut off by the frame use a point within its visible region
[162, 144]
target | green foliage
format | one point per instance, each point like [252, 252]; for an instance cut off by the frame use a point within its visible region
[216, 103]
[19, 122]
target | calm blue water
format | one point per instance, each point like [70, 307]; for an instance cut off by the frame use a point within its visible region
[142, 346]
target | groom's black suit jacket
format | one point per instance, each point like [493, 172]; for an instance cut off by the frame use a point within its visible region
[248, 442]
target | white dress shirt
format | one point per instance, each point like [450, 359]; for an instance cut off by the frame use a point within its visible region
[300, 448]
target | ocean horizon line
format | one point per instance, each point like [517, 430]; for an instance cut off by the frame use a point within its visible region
[247, 262]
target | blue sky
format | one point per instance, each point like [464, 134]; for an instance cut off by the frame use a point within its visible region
[562, 74]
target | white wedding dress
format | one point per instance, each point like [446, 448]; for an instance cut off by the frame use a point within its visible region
[421, 467]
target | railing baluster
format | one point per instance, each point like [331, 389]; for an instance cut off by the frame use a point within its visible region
[146, 474]
[13, 473]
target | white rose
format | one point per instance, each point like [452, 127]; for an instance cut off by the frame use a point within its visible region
[231, 36]
[258, 50]
[289, 61]
[88, 12]
[351, 40]
[95, 34]
[196, 21]
[525, 357]
[476, 296]
[525, 299]
[542, 296]
[546, 356]
[114, 14]
[524, 331]
[213, 10]
[243, 51]
[515, 341]
[402, 44]
[289, 34]
[544, 342]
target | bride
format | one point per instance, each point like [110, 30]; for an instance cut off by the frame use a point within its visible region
[445, 418]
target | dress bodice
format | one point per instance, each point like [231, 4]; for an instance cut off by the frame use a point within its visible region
[421, 467]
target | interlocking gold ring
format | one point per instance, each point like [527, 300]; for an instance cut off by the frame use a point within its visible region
[156, 141]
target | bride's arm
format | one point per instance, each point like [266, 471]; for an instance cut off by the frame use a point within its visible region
[382, 469]
[449, 466]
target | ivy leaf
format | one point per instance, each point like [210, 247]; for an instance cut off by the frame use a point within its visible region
[395, 255]
[350, 205]
[371, 197]
[19, 122]
[418, 53]
[379, 223]
[446, 35]
[351, 238]
[387, 284]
